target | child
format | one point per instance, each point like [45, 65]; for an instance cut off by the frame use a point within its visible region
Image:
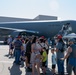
[44, 59]
[53, 61]
[11, 50]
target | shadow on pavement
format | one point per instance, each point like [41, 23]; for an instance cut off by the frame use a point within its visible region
[15, 70]
[7, 55]
[28, 72]
[48, 72]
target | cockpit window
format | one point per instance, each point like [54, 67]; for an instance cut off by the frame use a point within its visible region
[66, 29]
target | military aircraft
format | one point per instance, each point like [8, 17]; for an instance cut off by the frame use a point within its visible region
[45, 28]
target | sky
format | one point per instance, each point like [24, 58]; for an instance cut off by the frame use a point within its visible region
[63, 9]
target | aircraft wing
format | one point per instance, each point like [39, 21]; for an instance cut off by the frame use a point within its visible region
[8, 31]
[69, 36]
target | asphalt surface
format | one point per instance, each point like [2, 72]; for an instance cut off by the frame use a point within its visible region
[7, 67]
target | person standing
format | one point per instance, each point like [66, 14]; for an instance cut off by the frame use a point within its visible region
[35, 56]
[9, 42]
[18, 47]
[71, 53]
[44, 60]
[60, 54]
[28, 54]
[53, 61]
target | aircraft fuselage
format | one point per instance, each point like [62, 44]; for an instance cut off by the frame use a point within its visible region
[48, 29]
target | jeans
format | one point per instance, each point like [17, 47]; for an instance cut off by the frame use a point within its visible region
[17, 56]
[71, 65]
[60, 64]
[70, 68]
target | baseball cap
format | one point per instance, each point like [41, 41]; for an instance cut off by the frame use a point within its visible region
[59, 37]
[18, 36]
[42, 37]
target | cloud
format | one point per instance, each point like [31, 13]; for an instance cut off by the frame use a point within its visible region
[54, 5]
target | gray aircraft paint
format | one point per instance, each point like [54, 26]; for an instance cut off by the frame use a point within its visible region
[46, 28]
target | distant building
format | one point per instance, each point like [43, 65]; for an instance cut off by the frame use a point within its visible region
[38, 18]
[45, 17]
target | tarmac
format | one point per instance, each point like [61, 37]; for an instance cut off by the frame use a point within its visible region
[7, 67]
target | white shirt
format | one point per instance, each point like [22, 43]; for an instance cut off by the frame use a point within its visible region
[9, 40]
[24, 45]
